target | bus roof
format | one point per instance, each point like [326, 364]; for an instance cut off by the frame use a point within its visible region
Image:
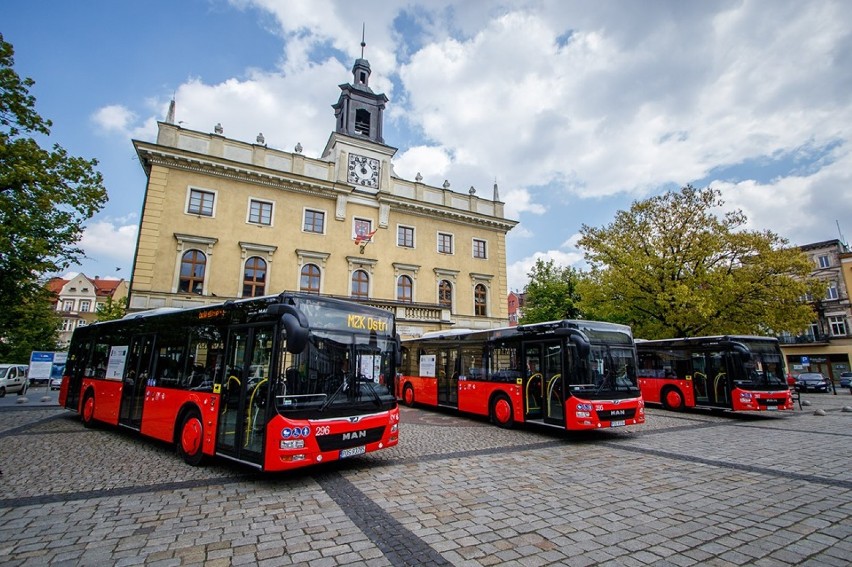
[521, 330]
[708, 340]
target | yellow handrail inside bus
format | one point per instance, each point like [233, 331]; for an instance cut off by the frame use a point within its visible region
[550, 385]
[530, 381]
[249, 422]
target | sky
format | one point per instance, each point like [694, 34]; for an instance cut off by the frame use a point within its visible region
[576, 109]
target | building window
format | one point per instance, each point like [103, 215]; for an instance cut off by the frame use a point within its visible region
[362, 122]
[310, 281]
[404, 289]
[85, 305]
[360, 284]
[254, 277]
[405, 236]
[837, 324]
[445, 294]
[200, 202]
[813, 330]
[445, 243]
[823, 261]
[479, 248]
[480, 301]
[260, 212]
[314, 221]
[192, 266]
[68, 305]
[831, 293]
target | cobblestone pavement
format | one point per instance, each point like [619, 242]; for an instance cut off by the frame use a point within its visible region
[684, 489]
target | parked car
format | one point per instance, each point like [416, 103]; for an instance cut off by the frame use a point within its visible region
[56, 383]
[846, 379]
[811, 382]
[13, 378]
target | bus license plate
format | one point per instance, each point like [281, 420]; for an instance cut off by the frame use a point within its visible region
[353, 451]
[771, 408]
[616, 423]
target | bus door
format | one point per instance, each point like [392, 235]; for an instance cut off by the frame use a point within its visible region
[533, 382]
[710, 379]
[244, 390]
[544, 386]
[137, 372]
[448, 377]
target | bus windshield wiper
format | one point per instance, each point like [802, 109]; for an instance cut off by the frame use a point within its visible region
[334, 395]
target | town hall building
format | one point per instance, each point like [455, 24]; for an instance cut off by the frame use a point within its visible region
[225, 219]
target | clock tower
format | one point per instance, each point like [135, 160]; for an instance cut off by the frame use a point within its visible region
[357, 144]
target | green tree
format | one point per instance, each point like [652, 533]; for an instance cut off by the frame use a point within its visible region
[551, 293]
[45, 197]
[38, 328]
[109, 310]
[669, 268]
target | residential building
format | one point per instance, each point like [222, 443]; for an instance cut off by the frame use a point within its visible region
[826, 346]
[516, 307]
[77, 299]
[225, 219]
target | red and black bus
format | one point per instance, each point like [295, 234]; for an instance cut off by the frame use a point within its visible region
[276, 382]
[567, 374]
[737, 373]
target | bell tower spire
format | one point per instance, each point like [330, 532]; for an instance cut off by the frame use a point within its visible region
[358, 111]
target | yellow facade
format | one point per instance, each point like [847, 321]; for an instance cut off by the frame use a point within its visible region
[234, 175]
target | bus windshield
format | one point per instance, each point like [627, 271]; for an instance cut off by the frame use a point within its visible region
[338, 375]
[764, 370]
[609, 369]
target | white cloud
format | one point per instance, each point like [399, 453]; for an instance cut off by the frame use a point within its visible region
[114, 118]
[517, 272]
[110, 242]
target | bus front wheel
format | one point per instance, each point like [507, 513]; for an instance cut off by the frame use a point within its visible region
[87, 411]
[502, 413]
[672, 399]
[191, 437]
[408, 395]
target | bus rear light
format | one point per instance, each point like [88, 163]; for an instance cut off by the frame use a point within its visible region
[292, 444]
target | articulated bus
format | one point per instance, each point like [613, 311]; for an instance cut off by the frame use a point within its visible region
[276, 382]
[737, 373]
[567, 374]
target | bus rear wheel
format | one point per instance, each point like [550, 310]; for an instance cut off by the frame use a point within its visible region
[87, 410]
[672, 399]
[408, 395]
[501, 412]
[191, 438]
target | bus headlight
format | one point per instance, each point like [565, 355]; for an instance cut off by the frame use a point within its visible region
[292, 444]
[583, 414]
[394, 428]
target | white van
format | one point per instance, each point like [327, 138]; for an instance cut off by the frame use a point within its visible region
[13, 378]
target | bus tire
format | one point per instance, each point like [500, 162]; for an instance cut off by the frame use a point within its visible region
[501, 411]
[408, 395]
[87, 410]
[191, 438]
[672, 399]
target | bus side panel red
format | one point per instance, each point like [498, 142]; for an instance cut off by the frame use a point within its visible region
[282, 432]
[425, 389]
[107, 398]
[162, 406]
[652, 388]
[475, 397]
[746, 400]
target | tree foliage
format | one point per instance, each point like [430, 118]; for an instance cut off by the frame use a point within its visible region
[551, 293]
[45, 197]
[37, 328]
[109, 310]
[669, 268]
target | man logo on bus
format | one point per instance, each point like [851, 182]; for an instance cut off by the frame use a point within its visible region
[354, 435]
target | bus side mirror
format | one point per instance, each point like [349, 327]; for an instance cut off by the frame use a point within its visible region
[295, 324]
[297, 336]
[398, 351]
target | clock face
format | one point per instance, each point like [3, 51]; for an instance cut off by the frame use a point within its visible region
[363, 171]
